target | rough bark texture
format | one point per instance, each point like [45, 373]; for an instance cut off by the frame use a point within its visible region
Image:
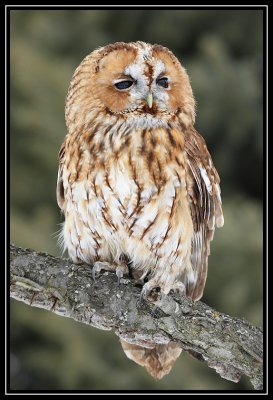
[232, 346]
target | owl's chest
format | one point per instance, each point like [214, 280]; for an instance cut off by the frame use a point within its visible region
[130, 196]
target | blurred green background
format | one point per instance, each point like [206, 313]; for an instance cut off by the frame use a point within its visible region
[222, 51]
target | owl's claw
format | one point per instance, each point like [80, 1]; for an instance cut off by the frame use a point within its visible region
[154, 309]
[120, 270]
[143, 295]
[119, 273]
[154, 291]
[179, 288]
[148, 293]
[97, 267]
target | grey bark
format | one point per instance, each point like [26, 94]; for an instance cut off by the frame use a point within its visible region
[232, 346]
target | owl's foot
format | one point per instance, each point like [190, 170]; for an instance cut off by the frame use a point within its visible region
[149, 292]
[179, 288]
[120, 269]
[152, 291]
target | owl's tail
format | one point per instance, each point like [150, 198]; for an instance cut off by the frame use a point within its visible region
[157, 359]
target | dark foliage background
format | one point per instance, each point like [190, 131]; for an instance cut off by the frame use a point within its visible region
[222, 51]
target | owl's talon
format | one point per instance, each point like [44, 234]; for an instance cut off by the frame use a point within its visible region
[148, 293]
[143, 295]
[120, 270]
[98, 266]
[179, 288]
[119, 273]
[154, 309]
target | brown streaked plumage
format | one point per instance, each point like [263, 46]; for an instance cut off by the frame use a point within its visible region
[136, 182]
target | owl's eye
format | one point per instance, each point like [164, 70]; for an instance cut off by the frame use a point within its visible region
[123, 85]
[163, 82]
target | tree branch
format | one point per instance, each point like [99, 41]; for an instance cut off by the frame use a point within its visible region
[232, 346]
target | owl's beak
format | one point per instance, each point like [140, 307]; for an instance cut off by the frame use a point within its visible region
[149, 99]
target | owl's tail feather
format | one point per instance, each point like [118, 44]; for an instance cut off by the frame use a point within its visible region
[158, 360]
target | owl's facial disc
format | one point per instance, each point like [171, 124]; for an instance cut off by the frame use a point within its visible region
[139, 80]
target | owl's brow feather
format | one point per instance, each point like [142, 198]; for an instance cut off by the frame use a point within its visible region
[104, 51]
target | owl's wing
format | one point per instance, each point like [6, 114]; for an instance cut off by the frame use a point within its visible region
[60, 188]
[205, 206]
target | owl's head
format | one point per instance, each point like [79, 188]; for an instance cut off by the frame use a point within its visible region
[133, 80]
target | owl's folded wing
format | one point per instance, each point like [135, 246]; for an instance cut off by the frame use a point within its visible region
[205, 206]
[60, 188]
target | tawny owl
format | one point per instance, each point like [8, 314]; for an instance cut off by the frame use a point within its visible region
[136, 182]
